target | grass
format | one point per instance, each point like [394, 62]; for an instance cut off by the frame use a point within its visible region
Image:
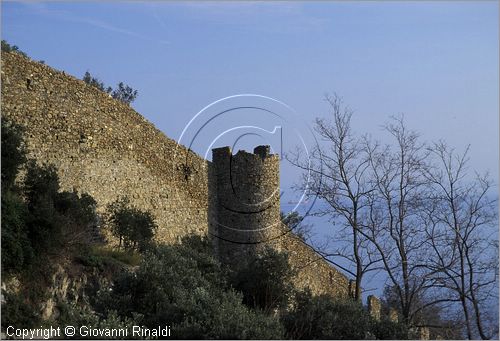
[99, 256]
[131, 258]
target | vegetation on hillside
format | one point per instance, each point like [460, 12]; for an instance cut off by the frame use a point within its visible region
[133, 228]
[38, 220]
[6, 47]
[323, 317]
[40, 226]
[122, 92]
[266, 281]
[181, 285]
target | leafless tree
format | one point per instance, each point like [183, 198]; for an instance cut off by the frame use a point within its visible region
[336, 173]
[411, 210]
[394, 223]
[462, 227]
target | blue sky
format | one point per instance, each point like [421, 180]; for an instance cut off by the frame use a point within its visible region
[435, 62]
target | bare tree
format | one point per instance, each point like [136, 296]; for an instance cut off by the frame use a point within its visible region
[410, 210]
[442, 320]
[394, 224]
[462, 225]
[336, 173]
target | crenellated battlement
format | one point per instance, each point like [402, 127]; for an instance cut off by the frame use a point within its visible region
[259, 153]
[247, 209]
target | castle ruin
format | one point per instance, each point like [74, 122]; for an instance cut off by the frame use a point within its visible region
[103, 147]
[247, 204]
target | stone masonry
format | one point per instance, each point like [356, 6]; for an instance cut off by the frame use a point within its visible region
[247, 205]
[374, 307]
[103, 147]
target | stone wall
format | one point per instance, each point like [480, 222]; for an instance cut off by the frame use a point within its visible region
[247, 205]
[103, 147]
[313, 271]
[374, 306]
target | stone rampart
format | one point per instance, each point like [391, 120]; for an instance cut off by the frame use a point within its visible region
[105, 148]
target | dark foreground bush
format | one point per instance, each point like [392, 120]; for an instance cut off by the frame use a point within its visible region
[18, 312]
[388, 330]
[185, 288]
[133, 227]
[266, 281]
[322, 317]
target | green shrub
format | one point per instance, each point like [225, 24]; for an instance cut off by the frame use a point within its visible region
[17, 251]
[39, 224]
[6, 47]
[13, 152]
[96, 83]
[388, 330]
[266, 281]
[134, 228]
[322, 317]
[100, 256]
[76, 315]
[123, 92]
[186, 288]
[18, 312]
[56, 221]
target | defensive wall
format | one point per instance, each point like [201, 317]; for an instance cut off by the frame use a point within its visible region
[103, 147]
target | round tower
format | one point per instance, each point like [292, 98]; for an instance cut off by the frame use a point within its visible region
[246, 202]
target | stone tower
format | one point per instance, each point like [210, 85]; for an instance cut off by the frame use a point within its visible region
[246, 202]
